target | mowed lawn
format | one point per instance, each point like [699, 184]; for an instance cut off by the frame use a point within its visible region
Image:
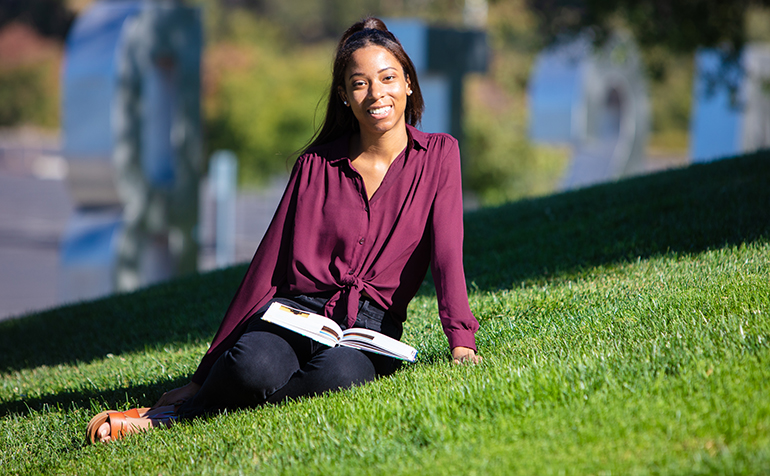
[625, 329]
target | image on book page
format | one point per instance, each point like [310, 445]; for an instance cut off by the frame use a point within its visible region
[328, 332]
[314, 326]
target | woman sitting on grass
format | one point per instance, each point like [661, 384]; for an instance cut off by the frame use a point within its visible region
[369, 206]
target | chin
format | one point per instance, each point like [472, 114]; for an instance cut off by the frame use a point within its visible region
[383, 127]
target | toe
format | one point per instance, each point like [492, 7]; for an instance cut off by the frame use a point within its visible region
[103, 434]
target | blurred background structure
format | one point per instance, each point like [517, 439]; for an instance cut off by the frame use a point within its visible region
[131, 140]
[733, 118]
[593, 100]
[650, 85]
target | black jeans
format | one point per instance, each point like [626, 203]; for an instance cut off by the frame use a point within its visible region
[270, 364]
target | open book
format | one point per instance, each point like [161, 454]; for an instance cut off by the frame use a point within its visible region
[326, 331]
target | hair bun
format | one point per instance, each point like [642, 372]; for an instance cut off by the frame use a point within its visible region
[368, 23]
[372, 23]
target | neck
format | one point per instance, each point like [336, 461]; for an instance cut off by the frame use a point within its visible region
[386, 145]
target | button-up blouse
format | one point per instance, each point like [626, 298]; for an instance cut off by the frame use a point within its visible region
[327, 236]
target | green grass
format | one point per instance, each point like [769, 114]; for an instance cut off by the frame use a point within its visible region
[625, 330]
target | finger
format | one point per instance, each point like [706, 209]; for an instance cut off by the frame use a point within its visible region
[474, 359]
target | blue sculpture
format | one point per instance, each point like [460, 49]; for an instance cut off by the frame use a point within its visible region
[595, 101]
[131, 127]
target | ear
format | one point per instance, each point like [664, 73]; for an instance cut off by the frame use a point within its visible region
[343, 96]
[408, 86]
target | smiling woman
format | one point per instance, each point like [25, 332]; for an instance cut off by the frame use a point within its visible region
[370, 205]
[376, 91]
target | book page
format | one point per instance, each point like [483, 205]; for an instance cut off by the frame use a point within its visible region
[314, 326]
[372, 341]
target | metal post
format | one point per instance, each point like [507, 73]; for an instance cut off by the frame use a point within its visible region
[223, 174]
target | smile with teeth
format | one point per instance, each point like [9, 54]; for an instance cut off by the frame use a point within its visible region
[379, 111]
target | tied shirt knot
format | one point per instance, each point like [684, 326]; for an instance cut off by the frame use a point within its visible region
[350, 295]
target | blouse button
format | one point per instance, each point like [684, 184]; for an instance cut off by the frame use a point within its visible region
[361, 241]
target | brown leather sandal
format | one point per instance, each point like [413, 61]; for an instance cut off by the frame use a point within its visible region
[119, 427]
[100, 418]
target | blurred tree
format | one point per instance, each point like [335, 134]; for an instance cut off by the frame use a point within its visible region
[681, 26]
[29, 67]
[260, 95]
[21, 98]
[503, 165]
[312, 20]
[50, 18]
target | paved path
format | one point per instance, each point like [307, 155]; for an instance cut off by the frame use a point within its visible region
[33, 214]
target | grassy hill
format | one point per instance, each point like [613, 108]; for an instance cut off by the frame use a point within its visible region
[625, 330]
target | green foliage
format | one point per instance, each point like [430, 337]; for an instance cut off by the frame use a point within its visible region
[266, 103]
[29, 63]
[670, 93]
[313, 20]
[26, 96]
[502, 165]
[680, 27]
[625, 329]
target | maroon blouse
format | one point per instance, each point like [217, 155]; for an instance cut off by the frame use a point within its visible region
[326, 236]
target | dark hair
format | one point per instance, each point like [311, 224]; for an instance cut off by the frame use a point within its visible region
[339, 119]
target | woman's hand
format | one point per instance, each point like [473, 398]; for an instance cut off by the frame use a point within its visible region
[464, 354]
[179, 395]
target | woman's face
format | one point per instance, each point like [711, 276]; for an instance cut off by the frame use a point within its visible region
[376, 90]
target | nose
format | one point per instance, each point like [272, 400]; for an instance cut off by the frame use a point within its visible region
[375, 90]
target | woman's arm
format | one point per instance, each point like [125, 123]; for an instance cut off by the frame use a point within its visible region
[446, 231]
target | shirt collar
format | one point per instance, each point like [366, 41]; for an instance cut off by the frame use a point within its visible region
[339, 148]
[418, 138]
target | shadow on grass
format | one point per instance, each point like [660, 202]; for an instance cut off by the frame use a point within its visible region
[116, 398]
[683, 211]
[686, 211]
[183, 311]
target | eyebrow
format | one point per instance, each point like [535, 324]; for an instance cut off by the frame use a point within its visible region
[378, 72]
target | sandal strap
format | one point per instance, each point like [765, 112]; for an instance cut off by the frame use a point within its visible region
[118, 425]
[137, 412]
